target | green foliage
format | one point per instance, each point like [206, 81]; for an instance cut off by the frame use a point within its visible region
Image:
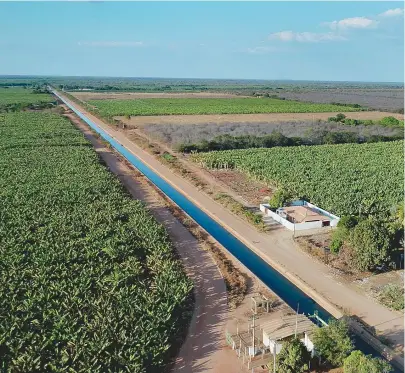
[240, 209]
[338, 178]
[280, 198]
[348, 221]
[392, 296]
[341, 233]
[386, 121]
[229, 142]
[333, 342]
[180, 106]
[339, 236]
[357, 362]
[16, 99]
[340, 117]
[390, 121]
[293, 357]
[370, 241]
[88, 279]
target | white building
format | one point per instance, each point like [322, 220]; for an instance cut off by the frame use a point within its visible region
[301, 215]
[280, 329]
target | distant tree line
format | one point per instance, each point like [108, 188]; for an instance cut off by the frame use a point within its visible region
[228, 142]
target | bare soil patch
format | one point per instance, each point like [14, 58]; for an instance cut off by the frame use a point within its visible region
[85, 96]
[251, 191]
[249, 118]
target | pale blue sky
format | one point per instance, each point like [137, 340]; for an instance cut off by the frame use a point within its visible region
[360, 41]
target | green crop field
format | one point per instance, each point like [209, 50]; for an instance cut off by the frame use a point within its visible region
[340, 178]
[88, 280]
[184, 106]
[22, 96]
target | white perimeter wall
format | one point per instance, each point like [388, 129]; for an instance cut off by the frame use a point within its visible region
[265, 208]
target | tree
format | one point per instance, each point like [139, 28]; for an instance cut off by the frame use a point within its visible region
[341, 233]
[293, 357]
[279, 198]
[340, 117]
[348, 221]
[333, 341]
[371, 244]
[357, 362]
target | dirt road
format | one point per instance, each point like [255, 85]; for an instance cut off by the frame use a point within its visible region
[204, 349]
[280, 251]
[250, 118]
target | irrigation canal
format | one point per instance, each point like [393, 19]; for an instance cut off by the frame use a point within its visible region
[286, 290]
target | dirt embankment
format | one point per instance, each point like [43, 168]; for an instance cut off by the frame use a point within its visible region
[250, 118]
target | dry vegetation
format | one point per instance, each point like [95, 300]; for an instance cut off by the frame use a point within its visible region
[175, 134]
[377, 99]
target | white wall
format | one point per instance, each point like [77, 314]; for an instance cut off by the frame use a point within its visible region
[276, 217]
[298, 226]
[308, 344]
[334, 219]
[278, 347]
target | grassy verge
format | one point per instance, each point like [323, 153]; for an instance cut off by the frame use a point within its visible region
[392, 296]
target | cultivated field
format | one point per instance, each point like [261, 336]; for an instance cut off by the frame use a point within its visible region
[22, 96]
[87, 274]
[188, 106]
[340, 178]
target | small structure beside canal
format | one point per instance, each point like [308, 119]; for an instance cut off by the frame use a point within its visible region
[286, 327]
[301, 215]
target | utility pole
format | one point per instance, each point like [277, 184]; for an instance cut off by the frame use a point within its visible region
[253, 334]
[296, 320]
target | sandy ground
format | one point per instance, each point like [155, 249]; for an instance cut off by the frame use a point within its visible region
[85, 96]
[278, 248]
[204, 349]
[250, 118]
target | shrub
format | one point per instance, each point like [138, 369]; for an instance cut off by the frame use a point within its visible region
[348, 221]
[340, 117]
[357, 362]
[370, 241]
[392, 296]
[339, 236]
[389, 121]
[333, 341]
[280, 198]
[293, 357]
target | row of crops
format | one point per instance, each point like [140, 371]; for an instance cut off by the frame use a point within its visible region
[340, 178]
[187, 106]
[88, 280]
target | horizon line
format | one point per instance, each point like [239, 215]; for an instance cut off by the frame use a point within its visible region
[179, 78]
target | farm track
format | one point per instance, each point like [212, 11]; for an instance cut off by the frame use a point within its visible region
[249, 118]
[204, 347]
[279, 251]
